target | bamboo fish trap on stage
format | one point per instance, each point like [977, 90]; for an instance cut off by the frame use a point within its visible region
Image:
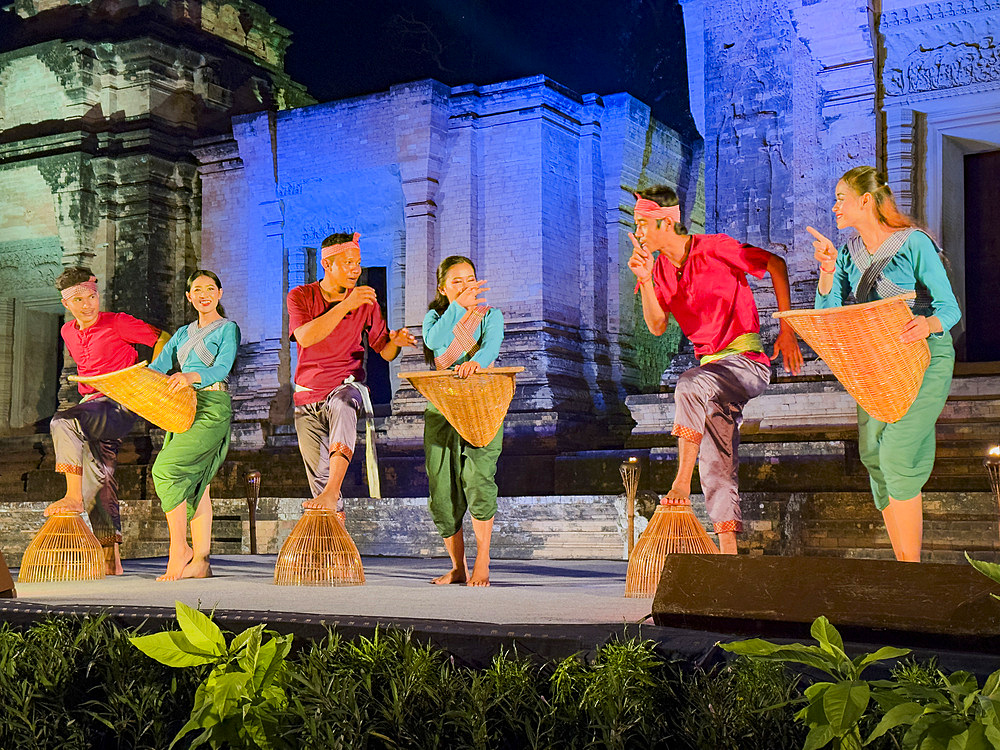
[319, 552]
[861, 346]
[475, 406]
[64, 550]
[147, 393]
[673, 529]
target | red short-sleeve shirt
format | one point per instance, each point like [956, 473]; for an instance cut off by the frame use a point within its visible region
[325, 365]
[709, 295]
[106, 345]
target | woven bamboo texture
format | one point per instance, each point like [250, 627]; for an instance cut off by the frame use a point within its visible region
[861, 346]
[319, 552]
[475, 406]
[673, 529]
[64, 550]
[146, 392]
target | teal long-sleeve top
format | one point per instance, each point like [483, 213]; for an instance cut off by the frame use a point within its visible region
[437, 333]
[223, 342]
[917, 264]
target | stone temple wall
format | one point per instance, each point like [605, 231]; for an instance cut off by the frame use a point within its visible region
[532, 181]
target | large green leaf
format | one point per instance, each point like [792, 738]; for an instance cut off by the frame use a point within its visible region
[827, 636]
[229, 691]
[171, 648]
[200, 630]
[251, 649]
[886, 652]
[240, 640]
[819, 736]
[992, 685]
[277, 649]
[990, 570]
[904, 713]
[845, 703]
[812, 656]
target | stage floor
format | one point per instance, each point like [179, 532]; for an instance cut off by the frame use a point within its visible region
[521, 591]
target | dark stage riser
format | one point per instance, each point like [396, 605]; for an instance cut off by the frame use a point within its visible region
[903, 604]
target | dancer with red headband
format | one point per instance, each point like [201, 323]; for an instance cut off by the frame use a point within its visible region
[86, 437]
[701, 280]
[327, 320]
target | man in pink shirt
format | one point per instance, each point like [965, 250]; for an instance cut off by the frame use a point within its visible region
[86, 437]
[329, 320]
[701, 280]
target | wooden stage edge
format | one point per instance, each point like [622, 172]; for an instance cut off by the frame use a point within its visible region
[926, 605]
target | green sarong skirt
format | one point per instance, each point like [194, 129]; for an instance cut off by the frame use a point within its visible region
[461, 476]
[189, 460]
[899, 456]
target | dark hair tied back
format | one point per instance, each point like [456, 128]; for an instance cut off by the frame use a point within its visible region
[209, 274]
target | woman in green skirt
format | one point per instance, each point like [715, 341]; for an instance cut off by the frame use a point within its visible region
[890, 256]
[202, 354]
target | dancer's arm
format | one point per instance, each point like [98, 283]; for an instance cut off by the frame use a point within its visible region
[642, 264]
[785, 345]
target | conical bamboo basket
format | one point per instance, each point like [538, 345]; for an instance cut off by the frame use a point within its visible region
[64, 550]
[147, 393]
[319, 552]
[674, 528]
[860, 344]
[475, 406]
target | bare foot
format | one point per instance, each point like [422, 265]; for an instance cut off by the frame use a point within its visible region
[455, 575]
[113, 561]
[323, 501]
[480, 572]
[176, 563]
[200, 568]
[727, 543]
[65, 505]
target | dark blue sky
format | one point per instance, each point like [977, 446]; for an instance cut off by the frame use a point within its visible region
[343, 48]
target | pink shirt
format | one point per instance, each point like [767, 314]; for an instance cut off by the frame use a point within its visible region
[106, 345]
[709, 295]
[327, 363]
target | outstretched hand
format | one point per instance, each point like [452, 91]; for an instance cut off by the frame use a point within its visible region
[402, 337]
[786, 346]
[641, 261]
[824, 250]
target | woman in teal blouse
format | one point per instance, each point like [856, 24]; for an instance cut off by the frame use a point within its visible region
[202, 354]
[887, 257]
[460, 331]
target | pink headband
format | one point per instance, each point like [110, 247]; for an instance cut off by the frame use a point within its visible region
[651, 210]
[90, 285]
[330, 250]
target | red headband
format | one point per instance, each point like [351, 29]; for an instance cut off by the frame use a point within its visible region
[90, 285]
[330, 250]
[648, 209]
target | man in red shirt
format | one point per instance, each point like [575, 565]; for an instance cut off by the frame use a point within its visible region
[329, 320]
[701, 280]
[86, 437]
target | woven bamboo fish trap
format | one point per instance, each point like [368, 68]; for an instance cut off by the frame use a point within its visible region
[147, 393]
[475, 406]
[673, 529]
[319, 552]
[64, 550]
[861, 346]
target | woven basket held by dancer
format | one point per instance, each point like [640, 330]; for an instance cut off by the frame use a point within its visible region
[860, 344]
[148, 394]
[475, 406]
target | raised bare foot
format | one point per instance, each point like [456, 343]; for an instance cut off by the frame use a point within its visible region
[176, 563]
[323, 501]
[113, 561]
[65, 505]
[480, 572]
[455, 575]
[200, 568]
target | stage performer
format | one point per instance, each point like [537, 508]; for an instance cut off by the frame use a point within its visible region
[461, 331]
[202, 354]
[889, 256]
[86, 437]
[329, 320]
[701, 280]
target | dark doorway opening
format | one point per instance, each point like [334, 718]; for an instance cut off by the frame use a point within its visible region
[376, 368]
[982, 257]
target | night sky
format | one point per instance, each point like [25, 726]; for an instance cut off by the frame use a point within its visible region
[345, 48]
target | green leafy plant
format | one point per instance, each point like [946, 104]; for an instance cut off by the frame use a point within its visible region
[834, 709]
[942, 712]
[238, 702]
[990, 570]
